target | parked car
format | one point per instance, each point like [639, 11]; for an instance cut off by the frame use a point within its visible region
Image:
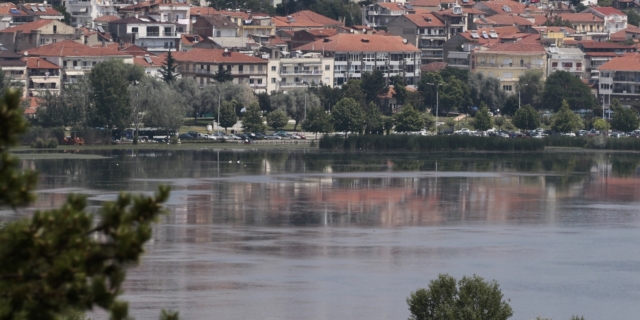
[186, 136]
[302, 136]
[210, 137]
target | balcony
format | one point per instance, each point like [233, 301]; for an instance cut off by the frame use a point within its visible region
[79, 3]
[294, 72]
[247, 72]
[293, 85]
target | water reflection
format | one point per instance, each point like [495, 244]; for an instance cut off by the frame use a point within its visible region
[289, 235]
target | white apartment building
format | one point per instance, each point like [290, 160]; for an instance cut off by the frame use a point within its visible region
[565, 59]
[83, 12]
[614, 19]
[155, 36]
[299, 71]
[620, 79]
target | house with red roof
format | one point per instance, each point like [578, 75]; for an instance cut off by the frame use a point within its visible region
[37, 33]
[203, 64]
[614, 19]
[380, 14]
[14, 67]
[619, 78]
[42, 76]
[457, 50]
[303, 37]
[355, 54]
[597, 53]
[11, 15]
[155, 36]
[427, 33]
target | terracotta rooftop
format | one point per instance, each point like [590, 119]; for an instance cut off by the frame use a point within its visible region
[433, 66]
[344, 42]
[424, 20]
[215, 56]
[201, 11]
[106, 18]
[498, 6]
[70, 48]
[449, 12]
[539, 19]
[323, 32]
[507, 20]
[554, 29]
[135, 50]
[311, 16]
[48, 11]
[589, 44]
[393, 6]
[220, 21]
[281, 22]
[156, 61]
[28, 27]
[622, 34]
[521, 48]
[580, 17]
[5, 9]
[601, 54]
[39, 63]
[607, 11]
[429, 3]
[627, 62]
[500, 31]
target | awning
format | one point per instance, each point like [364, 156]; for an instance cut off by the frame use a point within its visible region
[43, 80]
[74, 72]
[83, 9]
[458, 55]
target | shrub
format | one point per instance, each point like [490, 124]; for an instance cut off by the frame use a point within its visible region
[39, 143]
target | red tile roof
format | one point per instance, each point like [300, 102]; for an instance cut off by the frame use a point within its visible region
[580, 17]
[28, 27]
[622, 34]
[39, 63]
[106, 18]
[344, 42]
[589, 44]
[539, 19]
[508, 20]
[156, 61]
[200, 11]
[311, 16]
[282, 22]
[5, 9]
[601, 54]
[449, 12]
[424, 20]
[433, 66]
[501, 31]
[627, 62]
[607, 11]
[554, 29]
[70, 48]
[48, 11]
[323, 32]
[498, 6]
[215, 56]
[429, 3]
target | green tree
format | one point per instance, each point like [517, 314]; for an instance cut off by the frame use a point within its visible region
[252, 121]
[454, 96]
[566, 120]
[429, 91]
[374, 85]
[165, 107]
[531, 88]
[388, 123]
[328, 96]
[228, 116]
[400, 94]
[110, 82]
[373, 122]
[510, 105]
[353, 89]
[190, 91]
[472, 298]
[482, 120]
[318, 120]
[499, 121]
[52, 111]
[223, 75]
[526, 118]
[458, 73]
[624, 119]
[65, 260]
[633, 18]
[449, 122]
[264, 101]
[294, 103]
[601, 124]
[487, 90]
[562, 85]
[409, 119]
[348, 116]
[168, 69]
[277, 119]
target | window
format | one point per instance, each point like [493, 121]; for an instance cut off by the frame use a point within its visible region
[273, 68]
[250, 81]
[369, 57]
[134, 30]
[327, 67]
[41, 40]
[506, 87]
[54, 40]
[251, 67]
[341, 57]
[273, 80]
[55, 29]
[554, 64]
[260, 68]
[218, 33]
[567, 64]
[259, 81]
[75, 63]
[64, 63]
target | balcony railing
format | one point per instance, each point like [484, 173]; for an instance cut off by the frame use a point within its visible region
[293, 84]
[249, 72]
[300, 72]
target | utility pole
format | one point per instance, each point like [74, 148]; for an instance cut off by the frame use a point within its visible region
[437, 85]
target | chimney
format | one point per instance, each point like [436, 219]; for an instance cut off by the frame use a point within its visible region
[136, 16]
[37, 62]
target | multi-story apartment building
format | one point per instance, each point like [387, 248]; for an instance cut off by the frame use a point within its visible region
[37, 33]
[11, 16]
[620, 79]
[215, 25]
[14, 68]
[251, 23]
[425, 31]
[586, 23]
[156, 36]
[614, 19]
[203, 64]
[84, 12]
[597, 53]
[355, 54]
[175, 11]
[457, 19]
[380, 14]
[77, 59]
[565, 59]
[457, 50]
[43, 76]
[507, 61]
[297, 70]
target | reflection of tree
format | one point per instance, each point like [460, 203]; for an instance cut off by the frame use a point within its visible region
[624, 167]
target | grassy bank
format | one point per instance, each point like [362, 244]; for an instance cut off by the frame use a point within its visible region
[436, 143]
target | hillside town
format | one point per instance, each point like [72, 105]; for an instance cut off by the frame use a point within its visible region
[270, 53]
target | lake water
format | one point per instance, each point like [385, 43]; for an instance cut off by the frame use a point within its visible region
[312, 235]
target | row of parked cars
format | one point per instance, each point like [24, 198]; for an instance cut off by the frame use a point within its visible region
[220, 136]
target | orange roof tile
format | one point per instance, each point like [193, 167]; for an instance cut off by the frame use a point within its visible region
[627, 62]
[590, 44]
[281, 22]
[48, 11]
[69, 48]
[5, 9]
[200, 11]
[607, 11]
[311, 16]
[323, 32]
[28, 27]
[539, 19]
[498, 6]
[215, 56]
[500, 31]
[580, 17]
[433, 66]
[344, 42]
[39, 63]
[509, 20]
[156, 61]
[554, 29]
[106, 18]
[424, 20]
[429, 3]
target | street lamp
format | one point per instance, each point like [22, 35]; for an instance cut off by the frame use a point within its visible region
[437, 85]
[519, 90]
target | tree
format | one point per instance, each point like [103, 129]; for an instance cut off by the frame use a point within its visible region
[633, 17]
[294, 103]
[562, 85]
[449, 122]
[483, 121]
[223, 75]
[228, 116]
[277, 119]
[526, 118]
[454, 96]
[52, 111]
[428, 90]
[264, 101]
[531, 87]
[328, 96]
[499, 121]
[601, 125]
[400, 94]
[166, 107]
[190, 91]
[353, 89]
[624, 119]
[472, 298]
[374, 85]
[318, 120]
[458, 73]
[110, 85]
[252, 121]
[66, 259]
[510, 105]
[487, 90]
[409, 119]
[348, 116]
[566, 120]
[168, 69]
[373, 122]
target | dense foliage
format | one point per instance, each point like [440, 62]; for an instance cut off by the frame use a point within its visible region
[433, 143]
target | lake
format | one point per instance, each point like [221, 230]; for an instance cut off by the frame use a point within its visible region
[254, 234]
